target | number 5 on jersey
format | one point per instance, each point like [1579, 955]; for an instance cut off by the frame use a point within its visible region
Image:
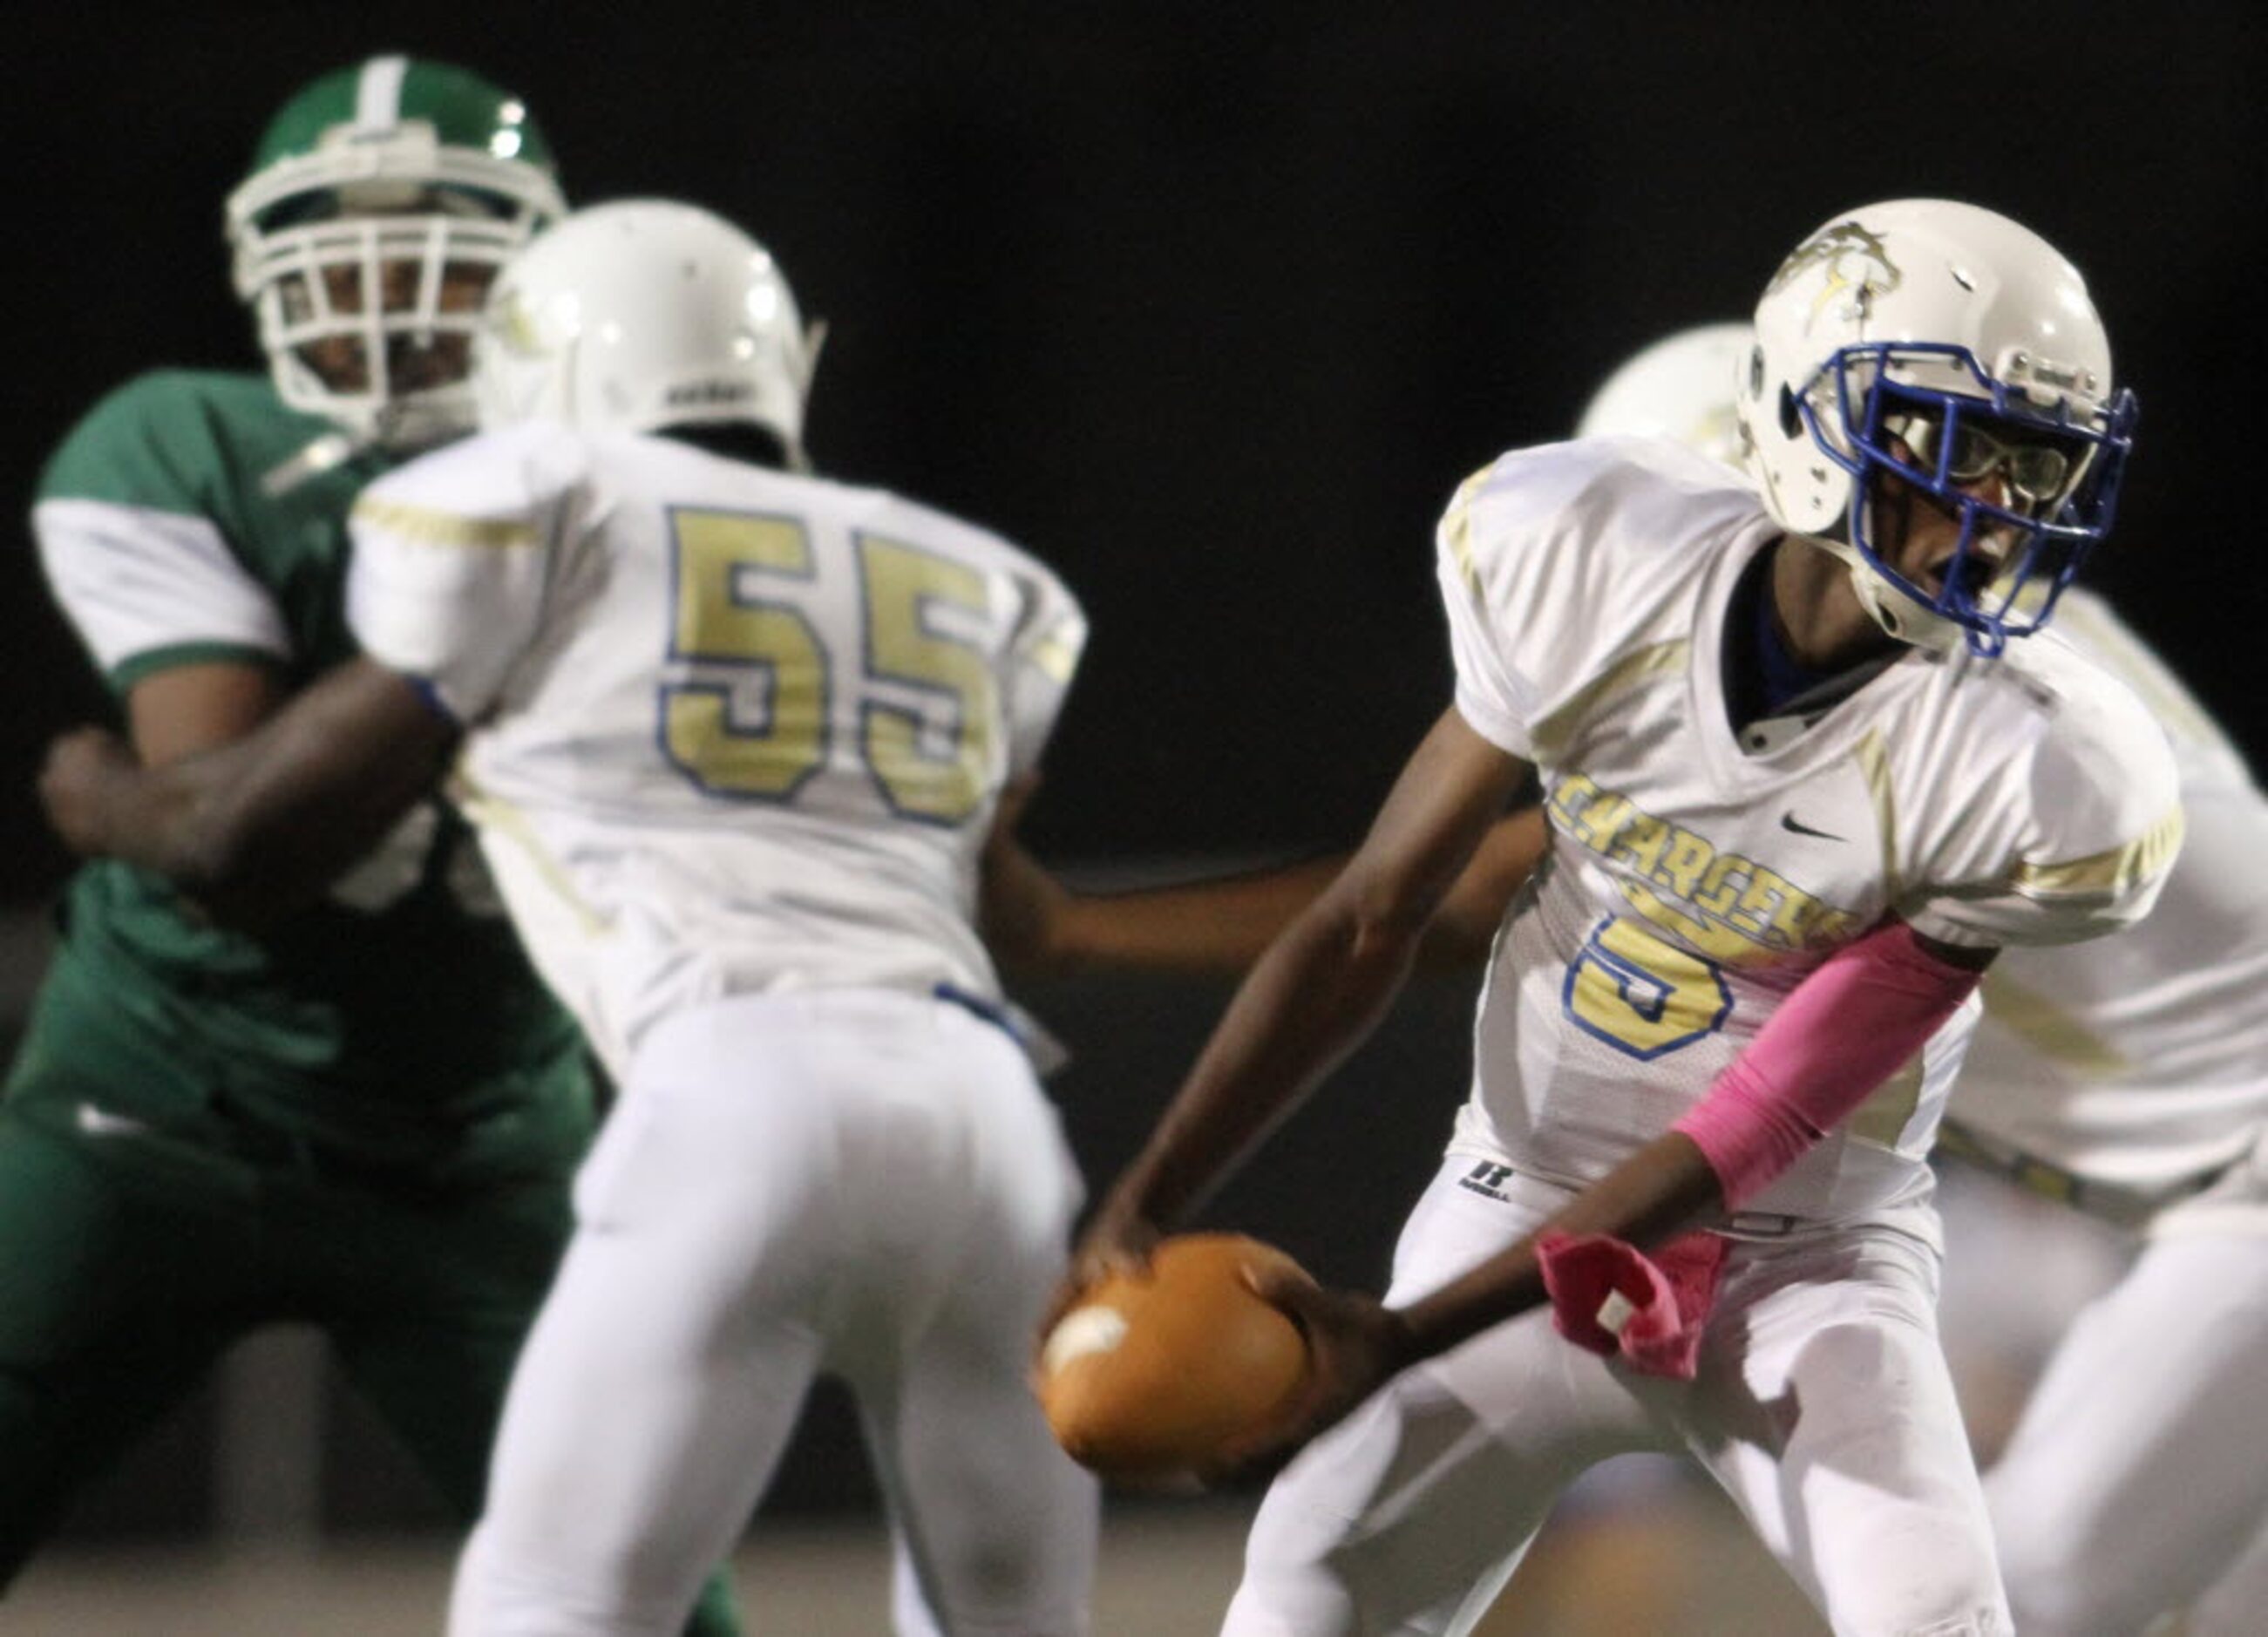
[1641, 995]
[928, 703]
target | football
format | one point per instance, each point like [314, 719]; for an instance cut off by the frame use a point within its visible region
[1147, 1378]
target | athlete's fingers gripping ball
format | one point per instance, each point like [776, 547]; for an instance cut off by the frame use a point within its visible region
[1151, 1376]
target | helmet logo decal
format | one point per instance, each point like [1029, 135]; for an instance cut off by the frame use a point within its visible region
[1853, 258]
[710, 393]
[377, 93]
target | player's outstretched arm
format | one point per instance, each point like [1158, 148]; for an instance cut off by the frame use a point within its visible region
[258, 826]
[1316, 993]
[1841, 1033]
[1356, 1343]
[1035, 926]
[1464, 928]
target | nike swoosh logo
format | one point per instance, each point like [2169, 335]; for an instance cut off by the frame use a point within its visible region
[1788, 820]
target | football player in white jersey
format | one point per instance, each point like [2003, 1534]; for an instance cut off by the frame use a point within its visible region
[734, 736]
[1803, 779]
[2130, 1080]
[2127, 1078]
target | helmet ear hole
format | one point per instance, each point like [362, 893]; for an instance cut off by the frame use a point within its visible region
[1791, 422]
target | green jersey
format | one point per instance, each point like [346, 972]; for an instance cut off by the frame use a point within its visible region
[192, 517]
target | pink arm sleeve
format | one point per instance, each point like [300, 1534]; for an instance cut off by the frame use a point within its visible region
[1846, 1030]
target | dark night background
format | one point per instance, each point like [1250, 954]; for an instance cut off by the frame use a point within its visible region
[1213, 306]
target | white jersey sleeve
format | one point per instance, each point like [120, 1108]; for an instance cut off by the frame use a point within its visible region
[1494, 698]
[1540, 616]
[455, 556]
[2080, 828]
[133, 579]
[1042, 660]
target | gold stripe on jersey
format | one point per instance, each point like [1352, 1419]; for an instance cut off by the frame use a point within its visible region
[2112, 873]
[426, 526]
[2048, 1029]
[1056, 657]
[1883, 1119]
[1742, 913]
[1625, 674]
[1457, 528]
[1875, 763]
[494, 813]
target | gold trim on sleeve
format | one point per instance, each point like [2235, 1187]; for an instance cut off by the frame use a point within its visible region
[426, 526]
[2111, 872]
[1056, 657]
[490, 812]
[1875, 763]
[2048, 1029]
[1625, 674]
[1457, 530]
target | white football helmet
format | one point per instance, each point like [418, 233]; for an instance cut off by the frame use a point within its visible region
[641, 314]
[1970, 343]
[1681, 387]
[381, 202]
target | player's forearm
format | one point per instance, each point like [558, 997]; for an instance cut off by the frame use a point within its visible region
[1664, 1188]
[1315, 996]
[245, 846]
[1322, 986]
[151, 817]
[260, 827]
[1868, 1010]
[1222, 927]
[1464, 928]
[173, 818]
[1209, 929]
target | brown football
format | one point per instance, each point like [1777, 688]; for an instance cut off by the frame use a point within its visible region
[1147, 1378]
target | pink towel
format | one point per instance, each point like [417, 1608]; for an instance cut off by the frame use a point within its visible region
[1614, 1299]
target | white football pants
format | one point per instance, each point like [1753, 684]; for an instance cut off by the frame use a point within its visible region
[2137, 1477]
[856, 1181]
[1822, 1405]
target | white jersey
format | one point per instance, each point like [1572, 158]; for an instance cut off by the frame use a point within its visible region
[1695, 877]
[2141, 1063]
[731, 730]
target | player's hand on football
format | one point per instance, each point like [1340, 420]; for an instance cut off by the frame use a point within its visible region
[1355, 1344]
[83, 774]
[1118, 1240]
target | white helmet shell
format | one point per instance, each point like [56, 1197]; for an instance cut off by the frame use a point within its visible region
[640, 314]
[1681, 387]
[1933, 302]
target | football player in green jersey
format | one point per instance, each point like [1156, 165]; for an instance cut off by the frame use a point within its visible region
[362, 1116]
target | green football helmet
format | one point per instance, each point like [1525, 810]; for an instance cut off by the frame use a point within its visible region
[382, 200]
